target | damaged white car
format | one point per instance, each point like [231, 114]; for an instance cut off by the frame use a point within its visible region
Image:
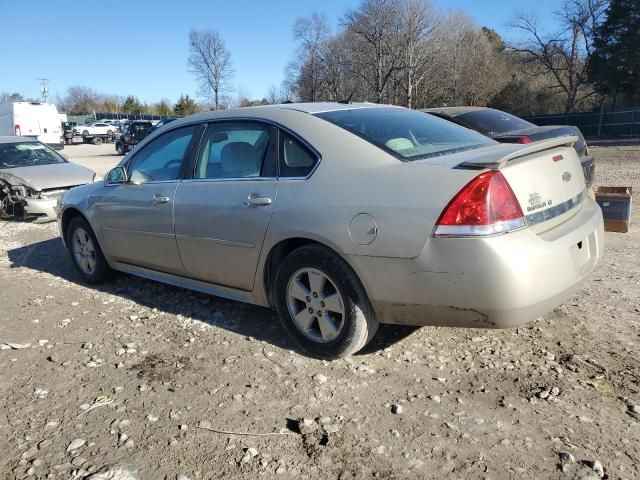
[33, 176]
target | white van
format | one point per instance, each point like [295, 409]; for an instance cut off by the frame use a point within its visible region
[32, 119]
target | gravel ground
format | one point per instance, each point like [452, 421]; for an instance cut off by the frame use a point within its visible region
[149, 380]
[99, 158]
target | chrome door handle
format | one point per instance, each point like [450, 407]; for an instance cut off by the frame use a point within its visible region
[160, 200]
[256, 200]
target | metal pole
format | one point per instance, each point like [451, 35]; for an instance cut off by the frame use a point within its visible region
[600, 122]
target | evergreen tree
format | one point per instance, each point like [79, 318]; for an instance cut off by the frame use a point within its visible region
[615, 64]
[185, 106]
[132, 105]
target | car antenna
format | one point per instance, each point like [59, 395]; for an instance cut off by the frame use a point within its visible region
[348, 100]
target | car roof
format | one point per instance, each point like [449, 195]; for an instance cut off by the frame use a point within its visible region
[454, 111]
[14, 139]
[319, 107]
[269, 111]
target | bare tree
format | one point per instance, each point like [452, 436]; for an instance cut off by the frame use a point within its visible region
[81, 99]
[563, 54]
[211, 62]
[310, 34]
[7, 97]
[374, 32]
[418, 23]
[273, 95]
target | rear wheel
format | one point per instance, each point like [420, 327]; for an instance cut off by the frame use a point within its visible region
[119, 149]
[97, 141]
[85, 252]
[322, 304]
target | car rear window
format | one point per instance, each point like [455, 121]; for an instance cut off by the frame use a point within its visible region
[406, 134]
[493, 122]
[15, 155]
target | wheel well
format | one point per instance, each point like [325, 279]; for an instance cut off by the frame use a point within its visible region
[276, 255]
[68, 215]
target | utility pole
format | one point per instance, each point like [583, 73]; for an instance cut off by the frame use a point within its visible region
[44, 89]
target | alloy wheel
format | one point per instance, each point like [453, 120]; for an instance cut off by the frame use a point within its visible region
[315, 305]
[84, 251]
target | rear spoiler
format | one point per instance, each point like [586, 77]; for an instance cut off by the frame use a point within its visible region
[529, 149]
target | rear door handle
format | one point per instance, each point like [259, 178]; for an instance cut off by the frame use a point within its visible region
[257, 200]
[160, 200]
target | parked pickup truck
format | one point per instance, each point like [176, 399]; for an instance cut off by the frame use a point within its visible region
[95, 132]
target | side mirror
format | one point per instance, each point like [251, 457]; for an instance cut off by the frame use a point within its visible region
[116, 176]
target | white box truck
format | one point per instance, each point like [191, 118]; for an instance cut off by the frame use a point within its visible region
[32, 119]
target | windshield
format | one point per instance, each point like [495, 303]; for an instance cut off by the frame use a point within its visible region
[493, 122]
[407, 134]
[14, 155]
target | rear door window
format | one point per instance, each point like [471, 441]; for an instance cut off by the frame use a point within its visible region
[233, 150]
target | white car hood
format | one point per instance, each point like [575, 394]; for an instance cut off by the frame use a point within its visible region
[44, 177]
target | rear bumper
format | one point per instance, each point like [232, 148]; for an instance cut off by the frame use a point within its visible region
[496, 282]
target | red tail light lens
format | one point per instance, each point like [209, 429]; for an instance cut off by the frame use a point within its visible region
[524, 139]
[17, 131]
[485, 206]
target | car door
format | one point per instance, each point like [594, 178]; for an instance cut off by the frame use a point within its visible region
[222, 213]
[137, 217]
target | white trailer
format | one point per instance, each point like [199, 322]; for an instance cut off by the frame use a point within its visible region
[32, 119]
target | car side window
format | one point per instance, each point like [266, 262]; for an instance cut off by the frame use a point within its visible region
[161, 159]
[234, 150]
[296, 160]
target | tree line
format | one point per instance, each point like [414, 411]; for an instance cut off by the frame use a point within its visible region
[81, 99]
[406, 52]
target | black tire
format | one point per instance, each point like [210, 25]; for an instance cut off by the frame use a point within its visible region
[102, 272]
[85, 133]
[359, 322]
[119, 149]
[97, 141]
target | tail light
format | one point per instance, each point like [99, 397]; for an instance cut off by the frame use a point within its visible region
[485, 206]
[17, 131]
[524, 139]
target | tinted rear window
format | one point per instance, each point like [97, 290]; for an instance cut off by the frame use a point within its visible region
[406, 134]
[493, 122]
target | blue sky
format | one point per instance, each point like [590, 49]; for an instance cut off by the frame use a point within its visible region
[141, 48]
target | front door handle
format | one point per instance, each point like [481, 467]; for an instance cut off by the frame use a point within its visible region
[160, 200]
[257, 200]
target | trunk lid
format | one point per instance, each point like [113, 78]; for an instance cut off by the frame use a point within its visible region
[546, 178]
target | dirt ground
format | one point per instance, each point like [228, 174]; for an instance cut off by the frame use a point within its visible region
[99, 158]
[146, 381]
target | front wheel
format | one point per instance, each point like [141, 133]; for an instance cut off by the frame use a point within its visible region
[322, 304]
[85, 252]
